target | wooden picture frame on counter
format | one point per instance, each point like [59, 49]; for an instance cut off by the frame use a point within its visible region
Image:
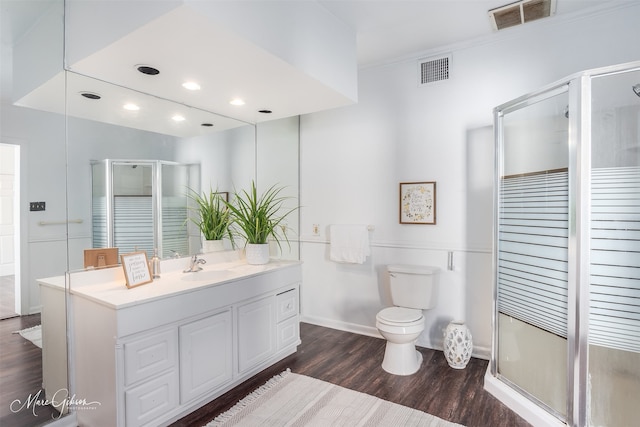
[136, 269]
[100, 257]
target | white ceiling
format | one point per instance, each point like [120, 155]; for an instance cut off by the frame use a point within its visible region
[393, 29]
[386, 30]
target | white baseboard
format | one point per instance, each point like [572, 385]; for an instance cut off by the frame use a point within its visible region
[342, 326]
[478, 352]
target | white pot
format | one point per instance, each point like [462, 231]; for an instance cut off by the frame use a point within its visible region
[212, 246]
[257, 254]
[458, 345]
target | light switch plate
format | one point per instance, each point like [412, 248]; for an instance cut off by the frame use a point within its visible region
[36, 206]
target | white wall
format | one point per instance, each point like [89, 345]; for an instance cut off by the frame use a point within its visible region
[353, 158]
[277, 150]
[43, 249]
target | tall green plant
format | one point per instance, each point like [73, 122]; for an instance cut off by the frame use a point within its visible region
[257, 218]
[212, 216]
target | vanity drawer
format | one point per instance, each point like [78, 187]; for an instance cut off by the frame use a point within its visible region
[287, 303]
[150, 355]
[151, 400]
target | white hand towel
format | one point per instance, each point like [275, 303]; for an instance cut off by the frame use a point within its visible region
[349, 243]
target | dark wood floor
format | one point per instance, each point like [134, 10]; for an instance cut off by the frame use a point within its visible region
[353, 361]
[20, 375]
[342, 358]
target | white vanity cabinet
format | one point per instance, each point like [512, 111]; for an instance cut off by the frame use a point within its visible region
[258, 339]
[152, 354]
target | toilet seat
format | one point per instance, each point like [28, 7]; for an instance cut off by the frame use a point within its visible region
[400, 316]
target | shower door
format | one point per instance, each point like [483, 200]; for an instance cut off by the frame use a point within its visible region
[567, 249]
[532, 248]
[613, 395]
[133, 197]
[173, 226]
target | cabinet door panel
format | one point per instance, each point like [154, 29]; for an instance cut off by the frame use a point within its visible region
[256, 332]
[288, 332]
[205, 355]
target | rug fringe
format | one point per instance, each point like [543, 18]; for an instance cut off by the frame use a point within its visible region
[249, 399]
[26, 330]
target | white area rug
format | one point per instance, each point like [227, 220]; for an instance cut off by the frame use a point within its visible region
[290, 399]
[33, 334]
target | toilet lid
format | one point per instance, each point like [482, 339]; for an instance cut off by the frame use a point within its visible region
[400, 315]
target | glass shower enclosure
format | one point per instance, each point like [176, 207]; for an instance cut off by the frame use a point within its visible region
[566, 334]
[142, 205]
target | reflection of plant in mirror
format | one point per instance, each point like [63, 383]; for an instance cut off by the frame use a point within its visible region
[256, 217]
[212, 215]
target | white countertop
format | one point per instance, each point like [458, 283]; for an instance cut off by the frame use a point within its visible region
[107, 286]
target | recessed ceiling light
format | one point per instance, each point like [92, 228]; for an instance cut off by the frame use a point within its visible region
[146, 69]
[178, 118]
[265, 111]
[131, 107]
[190, 85]
[237, 101]
[90, 95]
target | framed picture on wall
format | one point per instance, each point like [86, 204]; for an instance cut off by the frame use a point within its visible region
[418, 202]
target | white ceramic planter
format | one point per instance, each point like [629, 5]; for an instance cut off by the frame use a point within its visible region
[257, 253]
[458, 345]
[212, 246]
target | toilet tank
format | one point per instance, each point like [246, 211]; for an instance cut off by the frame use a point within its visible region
[413, 286]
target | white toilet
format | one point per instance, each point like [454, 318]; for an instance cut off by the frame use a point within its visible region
[413, 289]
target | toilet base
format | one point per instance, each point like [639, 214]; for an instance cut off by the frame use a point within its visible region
[401, 359]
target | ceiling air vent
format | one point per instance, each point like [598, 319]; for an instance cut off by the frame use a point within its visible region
[520, 12]
[434, 70]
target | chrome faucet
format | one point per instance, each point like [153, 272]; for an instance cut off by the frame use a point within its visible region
[194, 264]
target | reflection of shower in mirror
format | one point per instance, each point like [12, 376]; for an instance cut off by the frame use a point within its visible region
[142, 205]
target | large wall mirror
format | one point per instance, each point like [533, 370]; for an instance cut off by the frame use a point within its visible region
[131, 165]
[64, 128]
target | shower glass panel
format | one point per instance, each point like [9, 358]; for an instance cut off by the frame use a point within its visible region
[566, 345]
[614, 317]
[141, 205]
[532, 249]
[99, 205]
[133, 207]
[174, 182]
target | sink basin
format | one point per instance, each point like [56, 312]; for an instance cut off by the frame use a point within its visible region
[205, 275]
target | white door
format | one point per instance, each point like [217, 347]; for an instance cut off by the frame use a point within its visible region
[8, 204]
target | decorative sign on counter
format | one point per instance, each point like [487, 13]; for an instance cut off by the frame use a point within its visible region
[136, 269]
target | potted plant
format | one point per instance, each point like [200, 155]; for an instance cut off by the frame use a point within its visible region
[213, 219]
[258, 219]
